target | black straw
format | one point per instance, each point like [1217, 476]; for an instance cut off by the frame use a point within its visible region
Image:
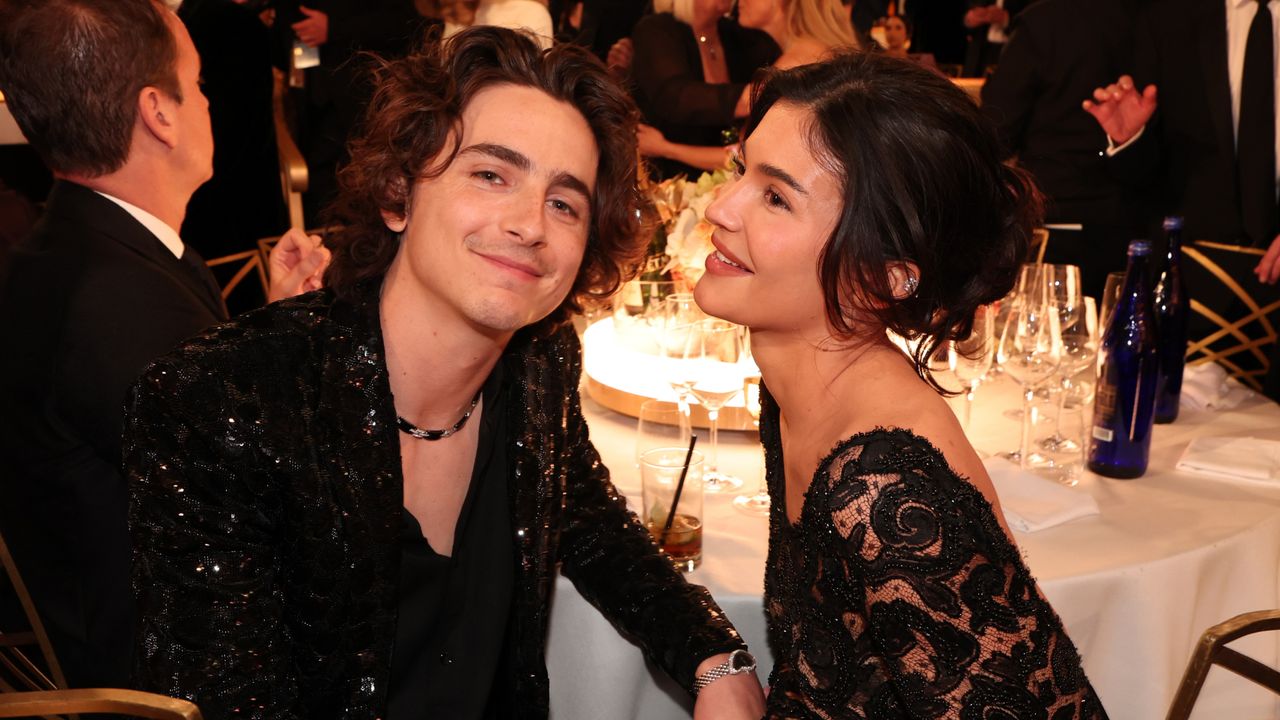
[675, 500]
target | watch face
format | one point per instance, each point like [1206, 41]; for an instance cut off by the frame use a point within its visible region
[742, 660]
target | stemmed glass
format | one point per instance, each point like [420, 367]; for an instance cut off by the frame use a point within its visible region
[1030, 288]
[970, 358]
[1078, 335]
[757, 504]
[1030, 352]
[713, 370]
[680, 314]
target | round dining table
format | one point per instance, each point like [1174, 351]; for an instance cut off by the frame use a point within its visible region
[1168, 555]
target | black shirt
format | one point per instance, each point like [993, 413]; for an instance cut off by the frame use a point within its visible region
[451, 630]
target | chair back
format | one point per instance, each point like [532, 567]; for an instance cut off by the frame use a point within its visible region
[1233, 315]
[18, 670]
[243, 279]
[294, 177]
[1212, 650]
[100, 701]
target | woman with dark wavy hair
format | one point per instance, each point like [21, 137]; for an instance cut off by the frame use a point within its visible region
[870, 198]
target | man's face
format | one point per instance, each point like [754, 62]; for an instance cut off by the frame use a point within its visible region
[497, 238]
[195, 136]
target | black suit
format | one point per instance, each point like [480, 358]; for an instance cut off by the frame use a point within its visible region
[90, 298]
[1187, 151]
[939, 29]
[981, 53]
[1188, 148]
[1060, 51]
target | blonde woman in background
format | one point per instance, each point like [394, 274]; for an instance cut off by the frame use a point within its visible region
[806, 31]
[531, 16]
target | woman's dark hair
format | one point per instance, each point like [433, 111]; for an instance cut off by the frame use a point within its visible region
[412, 129]
[922, 183]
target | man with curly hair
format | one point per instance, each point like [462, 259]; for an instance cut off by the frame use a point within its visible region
[353, 504]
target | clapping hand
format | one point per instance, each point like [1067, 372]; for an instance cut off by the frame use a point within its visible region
[620, 57]
[1121, 110]
[296, 265]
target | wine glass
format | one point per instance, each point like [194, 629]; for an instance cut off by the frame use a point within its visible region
[1031, 286]
[970, 358]
[1030, 352]
[757, 504]
[680, 314]
[1078, 335]
[712, 368]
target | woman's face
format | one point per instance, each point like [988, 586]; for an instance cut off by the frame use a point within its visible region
[758, 14]
[709, 10]
[771, 224]
[895, 33]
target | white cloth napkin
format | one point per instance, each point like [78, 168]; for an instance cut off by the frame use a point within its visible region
[1032, 503]
[1239, 458]
[1207, 387]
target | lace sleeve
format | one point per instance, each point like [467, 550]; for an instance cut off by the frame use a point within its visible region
[953, 618]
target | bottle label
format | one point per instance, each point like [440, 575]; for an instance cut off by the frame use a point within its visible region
[1103, 434]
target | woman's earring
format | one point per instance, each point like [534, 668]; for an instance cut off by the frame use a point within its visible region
[909, 286]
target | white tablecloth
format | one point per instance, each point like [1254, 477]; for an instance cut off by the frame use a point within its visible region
[1169, 555]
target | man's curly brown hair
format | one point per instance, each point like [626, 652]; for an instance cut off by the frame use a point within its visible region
[412, 128]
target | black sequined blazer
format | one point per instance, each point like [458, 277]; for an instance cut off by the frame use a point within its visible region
[266, 493]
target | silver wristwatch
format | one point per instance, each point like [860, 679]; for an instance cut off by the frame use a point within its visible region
[740, 661]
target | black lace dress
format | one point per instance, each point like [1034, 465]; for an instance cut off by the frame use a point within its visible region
[898, 595]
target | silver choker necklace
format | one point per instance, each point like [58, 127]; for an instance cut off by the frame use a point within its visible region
[422, 434]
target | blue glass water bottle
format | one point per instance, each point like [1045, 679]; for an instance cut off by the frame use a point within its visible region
[1124, 408]
[1172, 311]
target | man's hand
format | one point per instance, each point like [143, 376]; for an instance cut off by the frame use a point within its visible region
[296, 265]
[620, 57]
[1268, 271]
[733, 697]
[314, 28]
[1121, 110]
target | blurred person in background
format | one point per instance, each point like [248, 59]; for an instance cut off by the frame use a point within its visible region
[805, 30]
[102, 286]
[1060, 51]
[691, 71]
[897, 38]
[336, 87]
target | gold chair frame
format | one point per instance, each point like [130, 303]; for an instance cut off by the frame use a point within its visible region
[1212, 650]
[253, 261]
[16, 664]
[113, 702]
[294, 176]
[1258, 346]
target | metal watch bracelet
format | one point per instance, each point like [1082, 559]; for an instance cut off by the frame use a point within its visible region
[739, 661]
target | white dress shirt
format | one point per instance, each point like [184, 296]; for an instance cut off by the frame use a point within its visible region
[1239, 16]
[165, 234]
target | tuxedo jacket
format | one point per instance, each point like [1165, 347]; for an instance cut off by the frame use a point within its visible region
[266, 499]
[89, 299]
[1060, 51]
[1186, 155]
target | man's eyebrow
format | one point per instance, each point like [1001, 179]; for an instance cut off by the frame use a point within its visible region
[784, 177]
[573, 183]
[500, 152]
[520, 161]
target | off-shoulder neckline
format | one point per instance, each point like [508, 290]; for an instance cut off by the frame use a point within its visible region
[861, 438]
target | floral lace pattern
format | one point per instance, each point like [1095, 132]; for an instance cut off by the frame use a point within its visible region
[897, 594]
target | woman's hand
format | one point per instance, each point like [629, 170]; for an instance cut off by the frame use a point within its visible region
[651, 141]
[296, 265]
